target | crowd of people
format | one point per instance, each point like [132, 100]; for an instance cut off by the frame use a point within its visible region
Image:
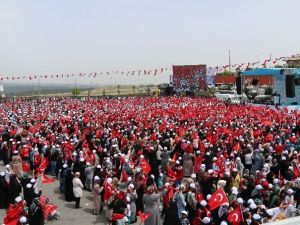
[159, 160]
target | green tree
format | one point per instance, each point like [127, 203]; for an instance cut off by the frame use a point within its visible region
[75, 91]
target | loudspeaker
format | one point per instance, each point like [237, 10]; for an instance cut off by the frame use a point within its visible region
[169, 91]
[254, 82]
[238, 83]
[290, 86]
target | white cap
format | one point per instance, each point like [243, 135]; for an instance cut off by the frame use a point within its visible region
[177, 162]
[253, 206]
[129, 179]
[203, 203]
[240, 200]
[275, 181]
[23, 219]
[88, 164]
[223, 223]
[208, 196]
[270, 212]
[7, 166]
[18, 199]
[206, 220]
[234, 192]
[109, 180]
[192, 185]
[259, 187]
[131, 186]
[290, 191]
[184, 212]
[193, 175]
[250, 201]
[65, 166]
[98, 166]
[81, 159]
[29, 185]
[167, 184]
[32, 180]
[256, 216]
[96, 178]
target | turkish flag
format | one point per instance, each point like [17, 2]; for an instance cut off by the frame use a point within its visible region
[145, 166]
[217, 199]
[171, 174]
[108, 189]
[25, 166]
[117, 216]
[236, 147]
[124, 176]
[143, 217]
[296, 172]
[47, 180]
[235, 217]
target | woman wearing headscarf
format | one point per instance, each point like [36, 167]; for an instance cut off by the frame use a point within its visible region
[97, 189]
[77, 189]
[68, 187]
[16, 164]
[36, 214]
[151, 205]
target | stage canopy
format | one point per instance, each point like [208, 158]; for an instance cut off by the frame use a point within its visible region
[271, 71]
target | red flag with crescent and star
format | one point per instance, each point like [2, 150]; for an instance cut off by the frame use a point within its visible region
[217, 199]
[235, 217]
[108, 191]
[143, 216]
[145, 166]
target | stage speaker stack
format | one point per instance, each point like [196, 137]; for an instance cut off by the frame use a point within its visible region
[169, 91]
[254, 82]
[290, 86]
[238, 83]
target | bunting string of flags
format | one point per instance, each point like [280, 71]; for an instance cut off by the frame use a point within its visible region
[147, 72]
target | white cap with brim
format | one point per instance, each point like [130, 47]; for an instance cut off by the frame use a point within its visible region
[256, 216]
[203, 203]
[184, 212]
[32, 180]
[18, 199]
[206, 220]
[270, 212]
[23, 219]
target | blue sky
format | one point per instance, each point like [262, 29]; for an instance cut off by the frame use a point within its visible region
[72, 36]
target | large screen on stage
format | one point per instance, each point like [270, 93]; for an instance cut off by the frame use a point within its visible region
[189, 77]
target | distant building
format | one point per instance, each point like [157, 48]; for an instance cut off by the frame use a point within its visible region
[293, 62]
